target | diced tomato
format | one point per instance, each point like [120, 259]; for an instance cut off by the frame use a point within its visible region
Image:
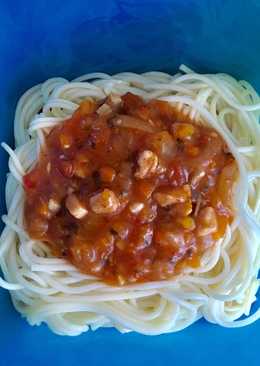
[28, 182]
[131, 102]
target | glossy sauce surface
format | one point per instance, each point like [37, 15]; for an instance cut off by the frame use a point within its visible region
[130, 191]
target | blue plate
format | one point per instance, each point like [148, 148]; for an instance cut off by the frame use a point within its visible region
[40, 39]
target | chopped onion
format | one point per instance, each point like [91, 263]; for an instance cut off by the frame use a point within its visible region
[125, 121]
[163, 144]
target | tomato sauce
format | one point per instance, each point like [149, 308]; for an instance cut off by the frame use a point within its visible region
[130, 191]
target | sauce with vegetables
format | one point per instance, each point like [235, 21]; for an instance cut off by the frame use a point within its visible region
[130, 191]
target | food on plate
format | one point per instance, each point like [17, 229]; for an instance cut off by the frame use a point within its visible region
[133, 202]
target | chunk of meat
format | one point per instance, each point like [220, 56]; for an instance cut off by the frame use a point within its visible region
[136, 207]
[171, 196]
[147, 164]
[105, 202]
[53, 205]
[207, 222]
[75, 207]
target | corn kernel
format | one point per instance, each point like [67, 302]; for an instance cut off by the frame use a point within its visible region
[187, 222]
[183, 130]
[87, 106]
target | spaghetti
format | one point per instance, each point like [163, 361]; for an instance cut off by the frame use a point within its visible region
[51, 290]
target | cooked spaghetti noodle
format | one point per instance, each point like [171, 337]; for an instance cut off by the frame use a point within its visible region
[51, 290]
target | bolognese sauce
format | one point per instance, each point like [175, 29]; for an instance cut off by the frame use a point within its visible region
[130, 191]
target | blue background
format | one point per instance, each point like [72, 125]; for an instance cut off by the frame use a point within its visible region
[40, 39]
